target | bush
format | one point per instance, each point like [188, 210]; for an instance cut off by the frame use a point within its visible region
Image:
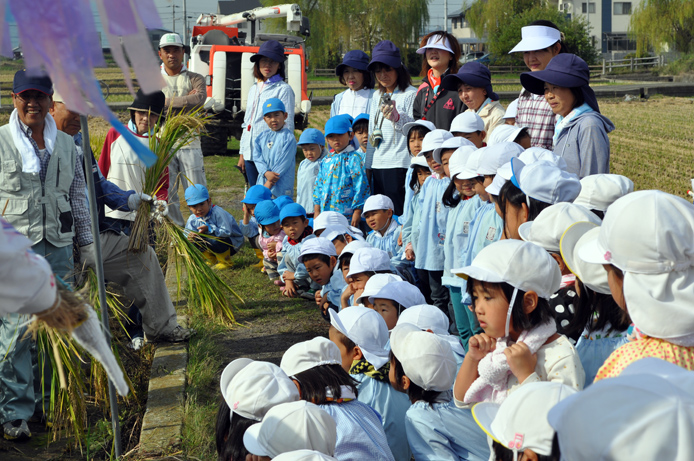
[682, 65]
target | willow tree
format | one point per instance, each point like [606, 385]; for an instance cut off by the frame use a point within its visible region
[663, 24]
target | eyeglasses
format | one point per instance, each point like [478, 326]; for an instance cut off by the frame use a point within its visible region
[38, 97]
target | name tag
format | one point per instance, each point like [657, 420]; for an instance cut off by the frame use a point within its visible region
[491, 233]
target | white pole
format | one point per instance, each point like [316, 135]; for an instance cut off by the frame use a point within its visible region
[445, 15]
[185, 24]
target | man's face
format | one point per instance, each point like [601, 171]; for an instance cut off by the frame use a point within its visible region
[66, 120]
[172, 57]
[32, 107]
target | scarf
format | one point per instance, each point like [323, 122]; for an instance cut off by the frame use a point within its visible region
[435, 81]
[563, 121]
[26, 146]
[494, 371]
[163, 70]
[308, 231]
[361, 366]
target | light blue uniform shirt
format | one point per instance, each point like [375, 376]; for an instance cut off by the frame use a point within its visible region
[276, 151]
[219, 224]
[410, 228]
[458, 229]
[306, 180]
[408, 194]
[360, 435]
[392, 406]
[388, 242]
[249, 230]
[432, 225]
[334, 288]
[290, 261]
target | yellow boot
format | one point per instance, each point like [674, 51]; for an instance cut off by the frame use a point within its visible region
[259, 255]
[211, 258]
[224, 260]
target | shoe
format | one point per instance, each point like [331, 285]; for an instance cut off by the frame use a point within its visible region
[137, 342]
[223, 260]
[16, 430]
[177, 335]
[259, 255]
[210, 258]
[310, 295]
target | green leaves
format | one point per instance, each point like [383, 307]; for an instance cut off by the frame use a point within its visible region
[662, 24]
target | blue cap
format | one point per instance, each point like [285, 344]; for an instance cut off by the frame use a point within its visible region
[257, 194]
[474, 74]
[385, 52]
[273, 105]
[292, 210]
[356, 59]
[23, 82]
[271, 49]
[266, 212]
[360, 117]
[195, 194]
[338, 125]
[311, 136]
[282, 201]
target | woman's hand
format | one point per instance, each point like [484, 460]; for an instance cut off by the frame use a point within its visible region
[242, 164]
[390, 112]
[479, 346]
[520, 360]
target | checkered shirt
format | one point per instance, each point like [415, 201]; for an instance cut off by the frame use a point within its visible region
[535, 114]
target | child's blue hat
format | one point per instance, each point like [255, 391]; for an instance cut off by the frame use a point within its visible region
[282, 201]
[257, 194]
[273, 105]
[360, 117]
[292, 210]
[338, 125]
[195, 194]
[311, 136]
[266, 212]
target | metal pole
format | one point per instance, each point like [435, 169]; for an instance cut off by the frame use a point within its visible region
[445, 16]
[173, 20]
[185, 24]
[93, 211]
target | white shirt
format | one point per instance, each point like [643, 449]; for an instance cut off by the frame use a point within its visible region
[355, 102]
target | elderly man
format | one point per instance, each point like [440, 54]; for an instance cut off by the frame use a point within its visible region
[185, 91]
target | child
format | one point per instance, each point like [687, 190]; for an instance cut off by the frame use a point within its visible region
[599, 191]
[353, 72]
[225, 237]
[249, 225]
[339, 235]
[274, 151]
[319, 257]
[362, 337]
[316, 368]
[414, 132]
[330, 218]
[509, 133]
[363, 264]
[312, 142]
[510, 114]
[510, 283]
[292, 272]
[360, 126]
[470, 126]
[393, 299]
[341, 184]
[373, 286]
[282, 200]
[423, 366]
[271, 237]
[378, 212]
[344, 261]
[410, 229]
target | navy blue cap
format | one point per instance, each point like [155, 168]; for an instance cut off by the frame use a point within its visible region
[266, 212]
[197, 193]
[474, 74]
[282, 201]
[23, 82]
[385, 52]
[271, 49]
[273, 105]
[257, 194]
[338, 125]
[292, 210]
[360, 117]
[565, 70]
[311, 136]
[356, 59]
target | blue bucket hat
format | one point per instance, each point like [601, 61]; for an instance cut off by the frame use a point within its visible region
[266, 212]
[23, 82]
[257, 194]
[292, 210]
[195, 194]
[360, 117]
[473, 74]
[338, 124]
[273, 105]
[356, 59]
[271, 49]
[311, 136]
[565, 70]
[282, 201]
[385, 52]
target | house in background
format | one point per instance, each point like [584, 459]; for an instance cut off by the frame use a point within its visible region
[460, 29]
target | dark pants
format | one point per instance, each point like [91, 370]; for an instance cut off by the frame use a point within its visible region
[390, 182]
[215, 245]
[251, 172]
[432, 289]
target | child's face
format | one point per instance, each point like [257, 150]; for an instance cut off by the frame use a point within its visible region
[251, 208]
[201, 209]
[445, 157]
[344, 267]
[393, 380]
[422, 175]
[491, 307]
[312, 151]
[464, 187]
[358, 281]
[480, 188]
[515, 216]
[347, 356]
[319, 271]
[338, 142]
[273, 229]
[435, 167]
[388, 310]
[477, 138]
[615, 280]
[362, 135]
[378, 219]
[414, 141]
[294, 226]
[339, 245]
[275, 120]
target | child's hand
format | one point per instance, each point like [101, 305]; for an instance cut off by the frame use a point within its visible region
[400, 239]
[479, 346]
[191, 236]
[357, 294]
[324, 308]
[288, 276]
[289, 289]
[272, 176]
[246, 213]
[318, 297]
[271, 253]
[344, 297]
[409, 254]
[203, 229]
[521, 361]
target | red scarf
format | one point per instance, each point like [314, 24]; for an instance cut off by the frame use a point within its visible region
[308, 231]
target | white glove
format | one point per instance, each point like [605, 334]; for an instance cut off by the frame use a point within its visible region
[135, 199]
[390, 112]
[88, 254]
[160, 209]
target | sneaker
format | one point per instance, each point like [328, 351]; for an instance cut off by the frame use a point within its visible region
[137, 343]
[310, 295]
[16, 430]
[177, 335]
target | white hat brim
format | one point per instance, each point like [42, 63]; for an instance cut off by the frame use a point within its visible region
[568, 242]
[437, 46]
[477, 273]
[495, 187]
[250, 441]
[484, 414]
[336, 322]
[533, 44]
[593, 252]
[524, 231]
[228, 374]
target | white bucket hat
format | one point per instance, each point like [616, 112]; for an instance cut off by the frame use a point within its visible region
[433, 140]
[368, 260]
[439, 42]
[375, 283]
[467, 122]
[535, 38]
[593, 276]
[451, 143]
[549, 226]
[599, 191]
[457, 162]
[537, 154]
[425, 317]
[497, 155]
[403, 293]
[366, 328]
[545, 182]
[310, 354]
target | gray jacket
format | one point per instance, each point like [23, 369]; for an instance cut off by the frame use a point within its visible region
[584, 144]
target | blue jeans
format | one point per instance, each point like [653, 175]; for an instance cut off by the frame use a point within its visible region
[251, 172]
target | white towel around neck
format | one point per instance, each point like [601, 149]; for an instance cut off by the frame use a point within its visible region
[30, 160]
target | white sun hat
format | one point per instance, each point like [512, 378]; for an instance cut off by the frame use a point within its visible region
[403, 293]
[457, 162]
[439, 42]
[378, 202]
[421, 161]
[537, 154]
[366, 328]
[375, 283]
[318, 245]
[505, 133]
[329, 218]
[425, 317]
[497, 155]
[467, 122]
[433, 140]
[535, 38]
[304, 455]
[408, 126]
[511, 110]
[599, 191]
[368, 260]
[353, 246]
[503, 174]
[545, 182]
[472, 164]
[549, 226]
[310, 354]
[335, 230]
[452, 143]
[593, 276]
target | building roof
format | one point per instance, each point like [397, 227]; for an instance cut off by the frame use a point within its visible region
[461, 11]
[236, 6]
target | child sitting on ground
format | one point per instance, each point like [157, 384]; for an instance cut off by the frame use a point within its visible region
[360, 127]
[319, 257]
[339, 235]
[312, 143]
[364, 263]
[292, 272]
[343, 263]
[214, 231]
[271, 237]
[393, 299]
[249, 226]
[378, 212]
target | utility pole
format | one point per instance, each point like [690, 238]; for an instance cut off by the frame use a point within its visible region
[173, 20]
[185, 24]
[445, 15]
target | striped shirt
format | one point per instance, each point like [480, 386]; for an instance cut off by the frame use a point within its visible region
[392, 152]
[535, 114]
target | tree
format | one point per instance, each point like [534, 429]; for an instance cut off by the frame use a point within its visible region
[661, 24]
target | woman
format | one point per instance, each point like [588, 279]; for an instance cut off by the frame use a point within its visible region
[541, 41]
[387, 158]
[268, 70]
[580, 133]
[433, 102]
[353, 73]
[473, 82]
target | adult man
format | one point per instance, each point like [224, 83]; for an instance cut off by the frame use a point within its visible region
[185, 91]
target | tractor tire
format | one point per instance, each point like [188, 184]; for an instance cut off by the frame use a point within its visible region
[215, 141]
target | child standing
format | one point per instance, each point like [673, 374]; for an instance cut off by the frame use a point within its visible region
[378, 212]
[275, 151]
[312, 142]
[292, 272]
[419, 172]
[414, 132]
[249, 225]
[215, 231]
[271, 237]
[360, 126]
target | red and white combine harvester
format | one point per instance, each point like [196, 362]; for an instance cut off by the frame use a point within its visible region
[221, 48]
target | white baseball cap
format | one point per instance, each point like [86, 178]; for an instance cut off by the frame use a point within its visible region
[426, 358]
[451, 143]
[418, 160]
[439, 42]
[599, 191]
[511, 110]
[292, 426]
[549, 226]
[505, 133]
[329, 218]
[366, 328]
[335, 230]
[646, 412]
[503, 174]
[535, 38]
[496, 155]
[467, 122]
[520, 422]
[433, 140]
[408, 126]
[251, 388]
[310, 354]
[368, 260]
[536, 154]
[472, 164]
[403, 293]
[457, 162]
[304, 455]
[425, 317]
[171, 39]
[593, 276]
[649, 235]
[545, 182]
[318, 245]
[377, 202]
[375, 283]
[353, 246]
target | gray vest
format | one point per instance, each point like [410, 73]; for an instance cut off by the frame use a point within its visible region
[39, 211]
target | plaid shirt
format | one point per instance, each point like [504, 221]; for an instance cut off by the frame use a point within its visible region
[78, 200]
[535, 114]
